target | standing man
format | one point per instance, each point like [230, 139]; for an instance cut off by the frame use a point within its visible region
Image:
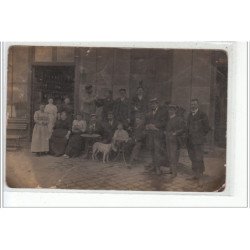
[137, 139]
[107, 104]
[139, 104]
[88, 103]
[197, 129]
[156, 121]
[122, 109]
[174, 129]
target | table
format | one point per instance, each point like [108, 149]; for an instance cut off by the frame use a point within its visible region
[90, 139]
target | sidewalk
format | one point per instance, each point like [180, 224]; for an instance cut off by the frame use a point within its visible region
[24, 170]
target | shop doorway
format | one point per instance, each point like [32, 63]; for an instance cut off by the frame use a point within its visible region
[55, 82]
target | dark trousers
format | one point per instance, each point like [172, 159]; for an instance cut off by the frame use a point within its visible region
[134, 149]
[156, 147]
[173, 152]
[195, 152]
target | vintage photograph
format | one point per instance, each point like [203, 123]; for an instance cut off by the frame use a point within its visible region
[116, 118]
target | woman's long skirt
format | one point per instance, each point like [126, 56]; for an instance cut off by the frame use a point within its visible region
[51, 123]
[58, 142]
[75, 145]
[40, 139]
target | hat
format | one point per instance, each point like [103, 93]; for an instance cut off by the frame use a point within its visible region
[122, 89]
[172, 106]
[88, 87]
[92, 115]
[154, 100]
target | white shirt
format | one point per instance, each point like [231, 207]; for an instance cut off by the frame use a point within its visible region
[194, 112]
[172, 116]
[154, 111]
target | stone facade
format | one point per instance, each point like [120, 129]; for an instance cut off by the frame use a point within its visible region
[174, 76]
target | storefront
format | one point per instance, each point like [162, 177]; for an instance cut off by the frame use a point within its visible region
[36, 73]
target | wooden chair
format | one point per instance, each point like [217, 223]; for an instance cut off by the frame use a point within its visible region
[121, 152]
[16, 130]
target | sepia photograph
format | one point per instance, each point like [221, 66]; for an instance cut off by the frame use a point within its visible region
[116, 118]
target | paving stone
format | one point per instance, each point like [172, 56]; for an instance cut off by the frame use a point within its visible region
[27, 171]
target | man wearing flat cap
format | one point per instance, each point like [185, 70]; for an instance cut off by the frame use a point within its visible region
[174, 129]
[156, 121]
[94, 127]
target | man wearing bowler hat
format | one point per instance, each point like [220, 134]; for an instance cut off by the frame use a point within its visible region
[156, 121]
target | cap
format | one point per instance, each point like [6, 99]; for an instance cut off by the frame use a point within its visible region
[154, 100]
[172, 106]
[88, 87]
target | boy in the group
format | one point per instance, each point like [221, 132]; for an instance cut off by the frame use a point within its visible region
[174, 129]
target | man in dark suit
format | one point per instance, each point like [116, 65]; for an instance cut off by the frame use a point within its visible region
[106, 103]
[139, 104]
[175, 128]
[156, 121]
[137, 138]
[197, 129]
[93, 128]
[109, 128]
[122, 109]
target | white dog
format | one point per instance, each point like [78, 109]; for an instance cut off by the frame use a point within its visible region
[105, 149]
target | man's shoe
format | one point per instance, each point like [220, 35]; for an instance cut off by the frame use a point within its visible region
[194, 178]
[158, 171]
[173, 175]
[168, 172]
[149, 167]
[129, 166]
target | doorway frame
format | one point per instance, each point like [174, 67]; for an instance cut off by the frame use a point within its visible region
[32, 70]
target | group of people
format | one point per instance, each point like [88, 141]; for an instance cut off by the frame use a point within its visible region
[134, 123]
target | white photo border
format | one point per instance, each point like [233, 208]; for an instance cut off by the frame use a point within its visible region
[236, 193]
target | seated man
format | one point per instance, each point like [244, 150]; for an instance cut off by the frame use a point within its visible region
[109, 128]
[137, 138]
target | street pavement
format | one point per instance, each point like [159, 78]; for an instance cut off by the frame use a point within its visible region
[25, 170]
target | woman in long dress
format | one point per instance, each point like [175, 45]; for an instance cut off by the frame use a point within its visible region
[75, 143]
[40, 136]
[51, 110]
[60, 135]
[68, 108]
